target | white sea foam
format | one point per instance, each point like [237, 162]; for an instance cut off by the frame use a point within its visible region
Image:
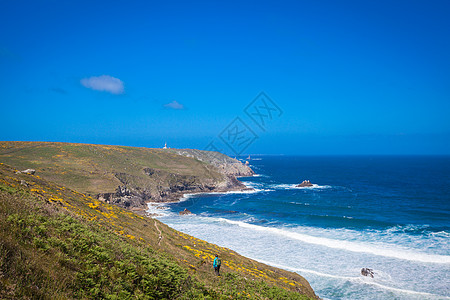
[304, 270]
[326, 267]
[370, 282]
[257, 187]
[187, 197]
[359, 279]
[443, 234]
[295, 186]
[299, 203]
[374, 249]
[155, 209]
[252, 189]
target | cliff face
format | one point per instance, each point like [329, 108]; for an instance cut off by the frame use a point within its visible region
[169, 187]
[224, 163]
[127, 176]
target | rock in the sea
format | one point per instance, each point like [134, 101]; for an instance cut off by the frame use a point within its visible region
[185, 212]
[28, 171]
[367, 272]
[305, 183]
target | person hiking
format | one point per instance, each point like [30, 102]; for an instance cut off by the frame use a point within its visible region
[216, 264]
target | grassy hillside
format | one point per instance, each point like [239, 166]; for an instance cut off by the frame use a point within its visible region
[97, 169]
[58, 243]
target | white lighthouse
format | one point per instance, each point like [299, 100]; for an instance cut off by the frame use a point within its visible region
[165, 146]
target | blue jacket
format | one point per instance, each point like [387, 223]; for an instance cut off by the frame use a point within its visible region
[215, 262]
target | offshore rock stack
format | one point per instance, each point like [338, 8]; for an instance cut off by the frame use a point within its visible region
[305, 183]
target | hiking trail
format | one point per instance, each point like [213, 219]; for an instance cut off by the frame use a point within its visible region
[160, 234]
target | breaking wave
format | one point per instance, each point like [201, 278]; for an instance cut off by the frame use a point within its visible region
[358, 279]
[374, 249]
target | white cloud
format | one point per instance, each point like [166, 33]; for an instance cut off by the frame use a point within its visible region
[174, 105]
[104, 83]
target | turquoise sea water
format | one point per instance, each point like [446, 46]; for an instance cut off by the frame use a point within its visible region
[388, 213]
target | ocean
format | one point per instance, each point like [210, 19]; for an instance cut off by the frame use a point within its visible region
[387, 213]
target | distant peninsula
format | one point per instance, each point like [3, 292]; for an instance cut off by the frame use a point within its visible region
[129, 177]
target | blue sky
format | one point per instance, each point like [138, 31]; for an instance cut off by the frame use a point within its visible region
[348, 77]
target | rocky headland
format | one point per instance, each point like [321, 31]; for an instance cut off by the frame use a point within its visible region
[225, 164]
[128, 177]
[172, 186]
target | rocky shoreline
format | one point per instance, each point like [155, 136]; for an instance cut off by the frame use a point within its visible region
[172, 187]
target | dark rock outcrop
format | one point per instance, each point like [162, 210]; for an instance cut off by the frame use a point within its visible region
[305, 183]
[124, 197]
[185, 212]
[367, 272]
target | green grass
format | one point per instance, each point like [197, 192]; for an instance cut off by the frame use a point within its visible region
[90, 263]
[93, 168]
[56, 243]
[51, 255]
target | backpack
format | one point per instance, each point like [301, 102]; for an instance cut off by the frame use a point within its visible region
[218, 262]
